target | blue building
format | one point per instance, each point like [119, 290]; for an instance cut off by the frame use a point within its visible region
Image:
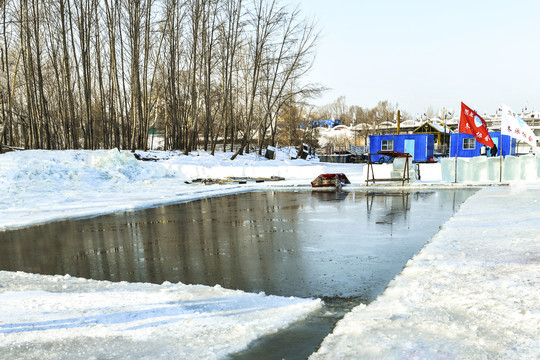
[465, 145]
[320, 123]
[420, 146]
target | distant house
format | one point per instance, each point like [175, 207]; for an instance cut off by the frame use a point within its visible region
[440, 132]
[465, 145]
[330, 123]
[420, 146]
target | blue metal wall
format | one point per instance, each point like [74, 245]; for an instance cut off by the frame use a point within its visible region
[505, 144]
[423, 145]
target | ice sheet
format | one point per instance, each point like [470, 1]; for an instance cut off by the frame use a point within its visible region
[471, 293]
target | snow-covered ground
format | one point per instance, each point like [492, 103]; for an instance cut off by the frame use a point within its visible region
[472, 292]
[58, 317]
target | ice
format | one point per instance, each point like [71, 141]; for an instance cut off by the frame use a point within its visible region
[481, 169]
[463, 170]
[448, 170]
[400, 162]
[528, 171]
[494, 168]
[511, 168]
[471, 293]
[480, 166]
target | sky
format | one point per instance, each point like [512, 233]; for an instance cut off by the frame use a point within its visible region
[423, 54]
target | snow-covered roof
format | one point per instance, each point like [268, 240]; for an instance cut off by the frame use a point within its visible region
[340, 127]
[440, 128]
[405, 123]
[361, 126]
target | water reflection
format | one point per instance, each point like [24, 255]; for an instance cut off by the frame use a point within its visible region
[395, 203]
[324, 195]
[348, 244]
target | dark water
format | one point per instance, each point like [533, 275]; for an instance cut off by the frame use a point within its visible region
[341, 247]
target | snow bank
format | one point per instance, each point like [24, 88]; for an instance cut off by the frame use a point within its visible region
[471, 293]
[51, 317]
[41, 186]
[207, 166]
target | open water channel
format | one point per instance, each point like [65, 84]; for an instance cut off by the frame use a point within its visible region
[341, 247]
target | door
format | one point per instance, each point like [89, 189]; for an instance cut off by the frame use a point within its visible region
[496, 142]
[409, 148]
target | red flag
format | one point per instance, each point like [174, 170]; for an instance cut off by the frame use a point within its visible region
[471, 123]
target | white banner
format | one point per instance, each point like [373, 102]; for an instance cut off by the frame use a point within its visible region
[515, 127]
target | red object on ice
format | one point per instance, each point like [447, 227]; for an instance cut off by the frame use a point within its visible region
[330, 180]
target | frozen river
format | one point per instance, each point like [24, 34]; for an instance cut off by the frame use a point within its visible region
[341, 247]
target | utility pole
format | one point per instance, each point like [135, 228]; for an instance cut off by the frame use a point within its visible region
[444, 134]
[354, 130]
[398, 120]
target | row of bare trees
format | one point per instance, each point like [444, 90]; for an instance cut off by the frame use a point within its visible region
[102, 73]
[365, 121]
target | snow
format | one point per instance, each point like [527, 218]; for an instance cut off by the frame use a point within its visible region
[42, 186]
[61, 317]
[472, 292]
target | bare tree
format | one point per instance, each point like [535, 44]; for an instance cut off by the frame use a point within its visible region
[230, 31]
[99, 73]
[264, 19]
[7, 89]
[227, 28]
[209, 40]
[290, 61]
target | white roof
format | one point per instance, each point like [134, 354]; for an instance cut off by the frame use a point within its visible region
[438, 127]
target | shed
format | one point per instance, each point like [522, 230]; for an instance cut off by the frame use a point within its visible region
[440, 132]
[465, 145]
[420, 146]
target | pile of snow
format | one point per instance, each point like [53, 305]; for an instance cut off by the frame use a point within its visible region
[50, 317]
[471, 293]
[41, 186]
[204, 165]
[336, 136]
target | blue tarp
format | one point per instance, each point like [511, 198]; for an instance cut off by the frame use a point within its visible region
[320, 123]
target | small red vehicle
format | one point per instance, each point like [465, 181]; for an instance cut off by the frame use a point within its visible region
[335, 181]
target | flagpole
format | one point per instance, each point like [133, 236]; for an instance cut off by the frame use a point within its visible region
[500, 164]
[455, 170]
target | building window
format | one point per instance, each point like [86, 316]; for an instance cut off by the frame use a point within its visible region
[387, 145]
[469, 144]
